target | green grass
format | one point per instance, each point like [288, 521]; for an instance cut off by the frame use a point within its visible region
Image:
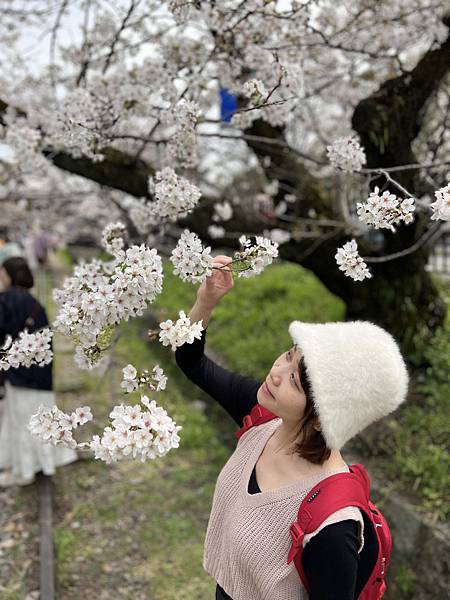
[416, 451]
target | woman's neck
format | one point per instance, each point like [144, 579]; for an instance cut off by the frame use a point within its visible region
[283, 440]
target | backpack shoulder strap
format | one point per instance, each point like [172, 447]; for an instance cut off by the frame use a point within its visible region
[257, 416]
[329, 495]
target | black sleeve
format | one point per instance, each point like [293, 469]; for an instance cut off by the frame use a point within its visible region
[235, 393]
[330, 561]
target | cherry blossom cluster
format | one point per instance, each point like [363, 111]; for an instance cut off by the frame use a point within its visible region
[135, 432]
[244, 119]
[28, 349]
[255, 90]
[385, 210]
[84, 123]
[351, 263]
[53, 426]
[183, 144]
[346, 153]
[90, 116]
[215, 231]
[279, 236]
[132, 380]
[192, 262]
[101, 294]
[181, 332]
[174, 196]
[222, 211]
[113, 238]
[441, 207]
[255, 258]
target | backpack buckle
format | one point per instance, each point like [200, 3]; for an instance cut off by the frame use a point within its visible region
[247, 422]
[297, 533]
[257, 412]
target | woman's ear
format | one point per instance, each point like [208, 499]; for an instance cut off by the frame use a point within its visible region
[317, 426]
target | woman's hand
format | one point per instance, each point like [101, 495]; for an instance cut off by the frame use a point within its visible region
[217, 284]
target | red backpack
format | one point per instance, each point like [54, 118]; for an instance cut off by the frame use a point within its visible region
[329, 495]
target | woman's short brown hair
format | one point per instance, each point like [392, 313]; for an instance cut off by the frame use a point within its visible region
[310, 443]
[19, 272]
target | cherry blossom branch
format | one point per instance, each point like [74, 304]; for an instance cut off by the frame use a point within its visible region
[411, 166]
[432, 234]
[402, 189]
[133, 5]
[54, 34]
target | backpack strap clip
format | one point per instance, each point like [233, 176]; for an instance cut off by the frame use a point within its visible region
[257, 416]
[297, 535]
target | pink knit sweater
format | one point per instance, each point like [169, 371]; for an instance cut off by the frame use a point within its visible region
[248, 540]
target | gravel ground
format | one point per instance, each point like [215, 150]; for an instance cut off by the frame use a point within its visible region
[19, 543]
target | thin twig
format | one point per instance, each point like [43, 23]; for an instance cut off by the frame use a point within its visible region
[430, 235]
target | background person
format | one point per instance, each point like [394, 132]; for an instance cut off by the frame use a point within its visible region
[22, 455]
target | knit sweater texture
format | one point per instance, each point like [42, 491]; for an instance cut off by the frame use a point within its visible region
[247, 539]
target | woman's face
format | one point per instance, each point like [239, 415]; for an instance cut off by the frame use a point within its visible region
[282, 392]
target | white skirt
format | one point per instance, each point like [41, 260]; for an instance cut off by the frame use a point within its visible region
[21, 452]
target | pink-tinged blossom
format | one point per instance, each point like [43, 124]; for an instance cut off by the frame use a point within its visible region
[99, 295]
[254, 258]
[175, 196]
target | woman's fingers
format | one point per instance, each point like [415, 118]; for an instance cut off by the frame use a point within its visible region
[221, 261]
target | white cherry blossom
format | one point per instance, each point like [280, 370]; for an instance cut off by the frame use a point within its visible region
[441, 207]
[346, 153]
[351, 263]
[385, 210]
[28, 349]
[181, 332]
[192, 262]
[255, 258]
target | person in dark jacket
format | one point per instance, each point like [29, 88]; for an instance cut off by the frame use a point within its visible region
[26, 388]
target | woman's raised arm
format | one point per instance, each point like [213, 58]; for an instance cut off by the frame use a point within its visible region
[234, 392]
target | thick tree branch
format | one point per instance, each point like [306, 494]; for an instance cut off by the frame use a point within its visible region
[118, 170]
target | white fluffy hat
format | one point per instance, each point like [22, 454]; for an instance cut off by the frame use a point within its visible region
[357, 375]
